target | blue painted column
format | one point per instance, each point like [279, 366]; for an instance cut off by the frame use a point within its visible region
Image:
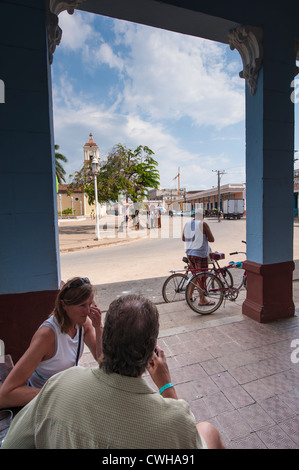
[269, 188]
[29, 268]
[295, 209]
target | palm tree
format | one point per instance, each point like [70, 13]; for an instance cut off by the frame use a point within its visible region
[60, 171]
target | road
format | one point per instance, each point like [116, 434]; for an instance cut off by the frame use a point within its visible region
[141, 266]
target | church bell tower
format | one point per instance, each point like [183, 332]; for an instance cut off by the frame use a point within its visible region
[91, 150]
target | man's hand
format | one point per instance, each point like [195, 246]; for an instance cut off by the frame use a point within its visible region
[159, 372]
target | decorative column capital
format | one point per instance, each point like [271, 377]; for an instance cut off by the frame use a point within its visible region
[57, 6]
[53, 8]
[248, 42]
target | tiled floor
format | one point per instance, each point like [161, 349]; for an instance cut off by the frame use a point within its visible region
[235, 373]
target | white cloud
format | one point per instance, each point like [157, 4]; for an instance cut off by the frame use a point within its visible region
[79, 34]
[166, 75]
[105, 55]
[75, 119]
[163, 77]
[170, 76]
[77, 31]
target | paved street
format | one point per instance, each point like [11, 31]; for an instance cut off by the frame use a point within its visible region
[140, 265]
[236, 373]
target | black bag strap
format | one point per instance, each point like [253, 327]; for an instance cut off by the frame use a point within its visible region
[79, 346]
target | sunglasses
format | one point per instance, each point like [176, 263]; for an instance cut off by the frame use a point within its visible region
[78, 283]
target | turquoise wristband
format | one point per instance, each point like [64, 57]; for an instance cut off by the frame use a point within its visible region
[165, 387]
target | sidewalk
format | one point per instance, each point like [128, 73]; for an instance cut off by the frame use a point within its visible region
[234, 372]
[78, 234]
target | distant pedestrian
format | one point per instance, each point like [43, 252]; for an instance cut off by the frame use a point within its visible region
[159, 218]
[152, 217]
[148, 219]
[136, 220]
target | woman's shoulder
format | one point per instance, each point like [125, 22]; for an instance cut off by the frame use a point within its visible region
[44, 333]
[43, 342]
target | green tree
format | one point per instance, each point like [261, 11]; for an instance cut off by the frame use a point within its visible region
[60, 171]
[128, 172]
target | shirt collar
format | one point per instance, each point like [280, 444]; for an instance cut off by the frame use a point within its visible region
[122, 382]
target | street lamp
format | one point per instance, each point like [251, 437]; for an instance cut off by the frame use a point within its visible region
[95, 171]
[60, 205]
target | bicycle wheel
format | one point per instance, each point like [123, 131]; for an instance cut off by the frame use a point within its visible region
[174, 287]
[238, 275]
[226, 274]
[204, 293]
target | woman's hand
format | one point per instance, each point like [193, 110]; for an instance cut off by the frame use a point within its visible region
[95, 315]
[93, 336]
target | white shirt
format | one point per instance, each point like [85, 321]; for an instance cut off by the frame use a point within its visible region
[64, 356]
[196, 241]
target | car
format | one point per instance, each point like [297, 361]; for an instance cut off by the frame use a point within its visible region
[163, 211]
[186, 213]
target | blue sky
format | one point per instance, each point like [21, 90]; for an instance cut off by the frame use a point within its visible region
[136, 85]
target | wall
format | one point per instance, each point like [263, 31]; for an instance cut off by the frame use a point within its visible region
[29, 253]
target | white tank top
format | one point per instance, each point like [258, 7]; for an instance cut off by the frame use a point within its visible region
[64, 356]
[196, 241]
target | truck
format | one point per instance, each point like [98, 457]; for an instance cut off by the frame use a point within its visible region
[233, 208]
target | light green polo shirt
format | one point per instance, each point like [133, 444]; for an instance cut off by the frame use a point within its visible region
[84, 408]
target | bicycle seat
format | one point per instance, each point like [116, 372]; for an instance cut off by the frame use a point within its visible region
[216, 256]
[185, 259]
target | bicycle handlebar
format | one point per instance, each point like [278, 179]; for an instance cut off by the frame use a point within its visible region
[237, 252]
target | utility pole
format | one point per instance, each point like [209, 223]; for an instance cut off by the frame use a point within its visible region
[219, 174]
[179, 183]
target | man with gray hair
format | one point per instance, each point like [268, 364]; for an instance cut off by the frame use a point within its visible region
[112, 406]
[197, 235]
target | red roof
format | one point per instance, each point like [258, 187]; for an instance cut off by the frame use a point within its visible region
[90, 143]
[63, 188]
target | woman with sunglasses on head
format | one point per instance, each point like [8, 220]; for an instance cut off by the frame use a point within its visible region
[57, 344]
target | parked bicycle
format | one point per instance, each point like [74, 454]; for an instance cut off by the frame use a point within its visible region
[205, 291]
[174, 288]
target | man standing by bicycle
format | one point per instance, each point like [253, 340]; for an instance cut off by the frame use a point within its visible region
[197, 235]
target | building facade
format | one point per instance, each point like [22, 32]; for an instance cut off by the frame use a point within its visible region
[208, 199]
[76, 204]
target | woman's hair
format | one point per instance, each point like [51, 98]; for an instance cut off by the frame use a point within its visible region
[130, 335]
[74, 292]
